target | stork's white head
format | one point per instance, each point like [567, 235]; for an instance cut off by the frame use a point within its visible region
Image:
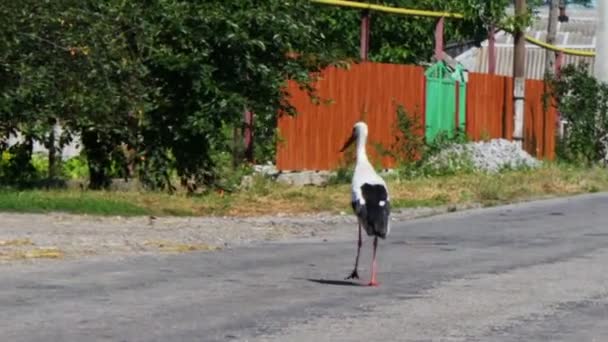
[359, 134]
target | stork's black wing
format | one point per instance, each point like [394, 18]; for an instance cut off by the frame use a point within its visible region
[374, 214]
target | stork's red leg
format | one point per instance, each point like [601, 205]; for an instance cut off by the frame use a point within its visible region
[374, 282]
[355, 274]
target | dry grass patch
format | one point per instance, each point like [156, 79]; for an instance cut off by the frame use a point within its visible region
[14, 250]
[36, 253]
[178, 247]
[16, 242]
[290, 200]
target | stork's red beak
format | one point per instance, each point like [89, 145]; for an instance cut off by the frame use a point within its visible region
[348, 142]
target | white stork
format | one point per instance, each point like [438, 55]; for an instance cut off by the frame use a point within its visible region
[370, 199]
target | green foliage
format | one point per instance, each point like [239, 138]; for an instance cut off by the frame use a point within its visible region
[37, 169]
[582, 101]
[342, 175]
[449, 164]
[14, 161]
[416, 157]
[76, 168]
[40, 162]
[17, 167]
[69, 62]
[409, 39]
[401, 39]
[66, 201]
[486, 12]
[444, 140]
[409, 137]
[231, 174]
[148, 86]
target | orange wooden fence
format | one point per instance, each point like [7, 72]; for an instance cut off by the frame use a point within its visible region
[311, 140]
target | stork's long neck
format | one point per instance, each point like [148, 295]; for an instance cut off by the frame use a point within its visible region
[361, 154]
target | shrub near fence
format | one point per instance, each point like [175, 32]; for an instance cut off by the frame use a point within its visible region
[311, 140]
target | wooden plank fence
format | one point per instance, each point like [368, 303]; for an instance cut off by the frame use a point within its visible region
[311, 140]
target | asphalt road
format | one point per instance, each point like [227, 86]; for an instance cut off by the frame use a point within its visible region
[529, 272]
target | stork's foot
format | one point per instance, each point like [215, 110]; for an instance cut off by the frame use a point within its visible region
[353, 275]
[373, 283]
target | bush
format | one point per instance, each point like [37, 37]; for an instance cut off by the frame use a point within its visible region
[75, 168]
[582, 101]
[416, 156]
[343, 175]
[40, 162]
[37, 168]
[231, 174]
[17, 168]
[409, 137]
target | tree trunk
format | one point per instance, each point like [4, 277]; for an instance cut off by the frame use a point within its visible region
[52, 147]
[98, 158]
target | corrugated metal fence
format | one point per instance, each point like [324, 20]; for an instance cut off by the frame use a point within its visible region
[490, 113]
[372, 91]
[312, 139]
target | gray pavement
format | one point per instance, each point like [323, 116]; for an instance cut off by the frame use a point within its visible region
[528, 272]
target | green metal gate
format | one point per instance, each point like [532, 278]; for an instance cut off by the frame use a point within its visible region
[445, 100]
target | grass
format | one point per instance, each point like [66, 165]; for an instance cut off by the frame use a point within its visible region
[266, 198]
[77, 202]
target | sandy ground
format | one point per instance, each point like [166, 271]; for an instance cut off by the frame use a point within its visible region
[32, 237]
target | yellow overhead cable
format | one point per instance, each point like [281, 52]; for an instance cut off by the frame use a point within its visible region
[422, 13]
[387, 9]
[560, 49]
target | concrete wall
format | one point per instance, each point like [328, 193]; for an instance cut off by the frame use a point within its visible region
[73, 149]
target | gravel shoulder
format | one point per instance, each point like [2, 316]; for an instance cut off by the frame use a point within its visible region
[28, 238]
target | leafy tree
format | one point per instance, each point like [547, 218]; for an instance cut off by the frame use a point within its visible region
[206, 80]
[72, 63]
[27, 104]
[167, 79]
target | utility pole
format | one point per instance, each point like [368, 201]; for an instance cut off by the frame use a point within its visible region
[364, 35]
[519, 77]
[439, 39]
[551, 35]
[601, 42]
[492, 50]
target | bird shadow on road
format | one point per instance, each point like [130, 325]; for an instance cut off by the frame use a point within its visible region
[334, 282]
